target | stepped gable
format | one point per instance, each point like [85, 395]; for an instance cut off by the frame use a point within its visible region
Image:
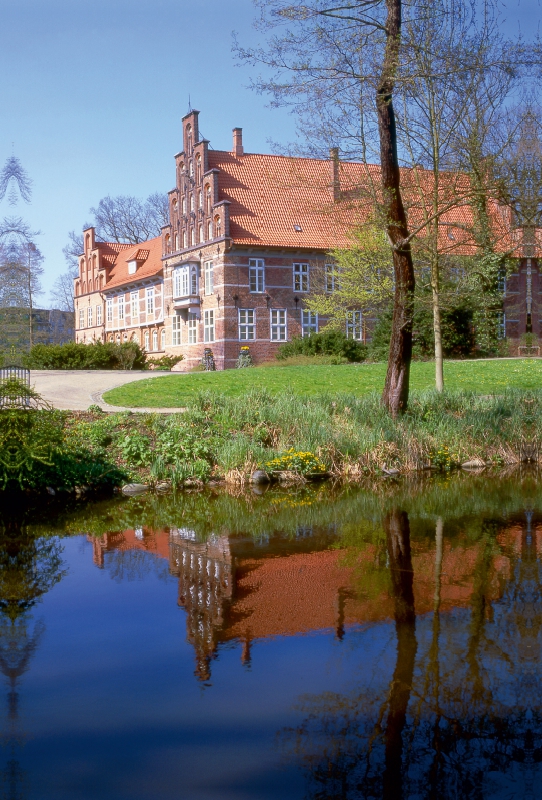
[148, 256]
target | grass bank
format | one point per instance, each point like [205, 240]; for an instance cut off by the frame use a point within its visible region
[226, 438]
[484, 377]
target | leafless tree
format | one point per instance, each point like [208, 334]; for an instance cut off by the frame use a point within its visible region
[130, 220]
[13, 177]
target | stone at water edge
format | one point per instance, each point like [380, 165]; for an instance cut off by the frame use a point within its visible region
[475, 463]
[260, 476]
[132, 489]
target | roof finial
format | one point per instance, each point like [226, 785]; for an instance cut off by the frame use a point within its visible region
[189, 105]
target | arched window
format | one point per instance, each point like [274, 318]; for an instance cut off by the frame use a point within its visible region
[192, 236]
[200, 199]
[84, 287]
[189, 139]
[185, 242]
[200, 229]
[198, 168]
[192, 202]
[147, 340]
[174, 204]
[155, 339]
[191, 168]
[217, 227]
[176, 242]
[209, 230]
[168, 243]
[90, 285]
[87, 242]
[163, 339]
[77, 289]
[82, 266]
[207, 199]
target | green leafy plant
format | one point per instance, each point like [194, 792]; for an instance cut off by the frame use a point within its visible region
[304, 463]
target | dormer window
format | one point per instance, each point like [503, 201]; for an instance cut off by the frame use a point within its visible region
[132, 267]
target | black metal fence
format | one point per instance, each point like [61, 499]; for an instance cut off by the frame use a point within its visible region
[13, 382]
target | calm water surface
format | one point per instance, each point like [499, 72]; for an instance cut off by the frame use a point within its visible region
[379, 642]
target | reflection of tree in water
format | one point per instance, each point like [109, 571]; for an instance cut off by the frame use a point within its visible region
[133, 564]
[460, 717]
[29, 567]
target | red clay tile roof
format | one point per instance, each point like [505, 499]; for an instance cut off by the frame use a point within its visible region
[280, 201]
[149, 259]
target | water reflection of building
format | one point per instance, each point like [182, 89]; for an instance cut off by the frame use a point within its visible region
[206, 579]
[234, 588]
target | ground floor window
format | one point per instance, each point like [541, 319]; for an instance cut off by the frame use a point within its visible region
[246, 324]
[501, 325]
[309, 323]
[354, 325]
[278, 324]
[147, 341]
[81, 318]
[90, 316]
[176, 330]
[192, 328]
[155, 340]
[209, 325]
[98, 315]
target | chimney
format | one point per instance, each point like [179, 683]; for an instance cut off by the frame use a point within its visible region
[238, 141]
[335, 177]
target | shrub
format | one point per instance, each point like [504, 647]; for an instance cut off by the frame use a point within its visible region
[71, 355]
[333, 343]
[164, 362]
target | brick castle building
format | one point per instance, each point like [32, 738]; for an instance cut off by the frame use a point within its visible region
[248, 238]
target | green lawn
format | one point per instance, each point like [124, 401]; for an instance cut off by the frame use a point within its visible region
[484, 377]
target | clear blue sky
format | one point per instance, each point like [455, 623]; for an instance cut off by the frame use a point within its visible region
[93, 93]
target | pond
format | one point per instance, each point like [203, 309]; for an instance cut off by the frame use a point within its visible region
[373, 642]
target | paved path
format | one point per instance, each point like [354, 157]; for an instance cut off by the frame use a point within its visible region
[76, 390]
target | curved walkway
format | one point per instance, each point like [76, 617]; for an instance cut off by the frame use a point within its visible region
[76, 390]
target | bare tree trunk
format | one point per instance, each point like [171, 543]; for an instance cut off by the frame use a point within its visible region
[30, 303]
[395, 395]
[439, 359]
[397, 529]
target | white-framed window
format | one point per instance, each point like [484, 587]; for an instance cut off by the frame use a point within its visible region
[354, 325]
[208, 276]
[192, 328]
[309, 323]
[134, 304]
[501, 325]
[256, 275]
[185, 280]
[150, 300]
[176, 330]
[109, 309]
[163, 339]
[121, 307]
[301, 277]
[501, 282]
[89, 316]
[331, 281]
[278, 324]
[81, 318]
[209, 325]
[247, 328]
[155, 339]
[98, 315]
[147, 339]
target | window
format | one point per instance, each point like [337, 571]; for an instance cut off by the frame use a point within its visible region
[217, 227]
[134, 304]
[155, 340]
[98, 315]
[147, 340]
[301, 277]
[208, 276]
[256, 275]
[183, 206]
[198, 168]
[89, 316]
[163, 339]
[309, 323]
[501, 325]
[200, 199]
[208, 200]
[354, 325]
[192, 328]
[109, 309]
[176, 242]
[185, 240]
[278, 325]
[501, 282]
[209, 325]
[121, 307]
[246, 324]
[209, 230]
[150, 300]
[81, 318]
[331, 278]
[193, 279]
[200, 232]
[192, 236]
[176, 330]
[191, 202]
